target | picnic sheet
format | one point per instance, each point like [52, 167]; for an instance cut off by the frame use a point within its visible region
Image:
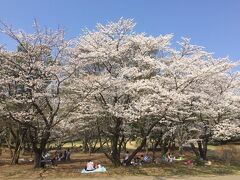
[101, 169]
[179, 159]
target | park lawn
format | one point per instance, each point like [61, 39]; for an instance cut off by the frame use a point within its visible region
[72, 169]
[133, 144]
[130, 145]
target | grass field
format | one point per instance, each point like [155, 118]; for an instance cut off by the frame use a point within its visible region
[130, 145]
[72, 169]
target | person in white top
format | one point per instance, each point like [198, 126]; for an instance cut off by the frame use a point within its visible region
[89, 166]
[126, 156]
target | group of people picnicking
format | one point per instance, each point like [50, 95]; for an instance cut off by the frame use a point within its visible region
[57, 156]
[143, 159]
[168, 157]
[90, 166]
[136, 161]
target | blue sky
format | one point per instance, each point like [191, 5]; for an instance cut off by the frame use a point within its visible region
[214, 24]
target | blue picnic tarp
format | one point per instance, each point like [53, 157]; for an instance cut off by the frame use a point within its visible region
[101, 169]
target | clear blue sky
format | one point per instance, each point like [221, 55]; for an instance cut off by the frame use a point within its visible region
[214, 24]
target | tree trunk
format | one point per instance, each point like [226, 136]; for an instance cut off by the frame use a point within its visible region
[164, 146]
[124, 147]
[116, 143]
[205, 143]
[8, 141]
[116, 158]
[85, 144]
[37, 158]
[115, 151]
[15, 157]
[89, 148]
[202, 147]
[154, 148]
[16, 153]
[180, 149]
[39, 146]
[195, 150]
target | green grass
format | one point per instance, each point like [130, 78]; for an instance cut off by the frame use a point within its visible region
[71, 169]
[75, 143]
[130, 145]
[175, 169]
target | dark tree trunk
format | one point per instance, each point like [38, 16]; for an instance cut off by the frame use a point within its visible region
[85, 144]
[38, 151]
[94, 146]
[124, 147]
[202, 148]
[39, 146]
[15, 158]
[18, 136]
[16, 153]
[154, 148]
[205, 144]
[195, 150]
[115, 143]
[164, 146]
[37, 158]
[180, 149]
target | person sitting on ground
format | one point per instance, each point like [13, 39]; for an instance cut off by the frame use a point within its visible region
[164, 158]
[43, 162]
[170, 157]
[98, 165]
[89, 166]
[137, 161]
[146, 158]
[60, 154]
[47, 156]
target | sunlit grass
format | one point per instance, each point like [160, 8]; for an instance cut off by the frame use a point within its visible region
[130, 145]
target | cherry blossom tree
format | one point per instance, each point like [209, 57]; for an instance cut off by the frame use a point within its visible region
[226, 131]
[31, 81]
[113, 84]
[140, 81]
